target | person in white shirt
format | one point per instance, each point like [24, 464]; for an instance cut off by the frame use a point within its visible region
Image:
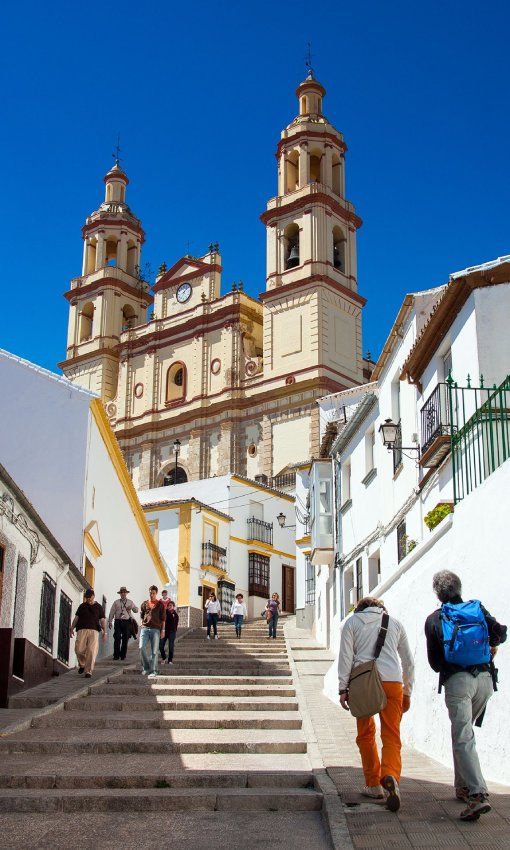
[121, 611]
[396, 669]
[213, 610]
[238, 612]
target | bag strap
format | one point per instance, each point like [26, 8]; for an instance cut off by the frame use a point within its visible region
[381, 637]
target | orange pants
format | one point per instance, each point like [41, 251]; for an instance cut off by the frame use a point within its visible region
[391, 762]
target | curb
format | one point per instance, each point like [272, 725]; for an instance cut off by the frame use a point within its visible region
[332, 809]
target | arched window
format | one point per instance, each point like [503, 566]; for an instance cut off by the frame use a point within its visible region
[86, 321]
[291, 246]
[337, 175]
[292, 171]
[111, 252]
[131, 258]
[175, 382]
[91, 257]
[128, 317]
[171, 478]
[304, 105]
[315, 167]
[338, 249]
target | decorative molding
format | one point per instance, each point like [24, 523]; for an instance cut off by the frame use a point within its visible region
[20, 522]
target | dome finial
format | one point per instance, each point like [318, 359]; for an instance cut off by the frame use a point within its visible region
[116, 153]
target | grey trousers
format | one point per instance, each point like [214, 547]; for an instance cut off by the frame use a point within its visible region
[466, 697]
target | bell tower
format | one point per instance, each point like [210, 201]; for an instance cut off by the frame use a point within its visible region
[312, 316]
[110, 297]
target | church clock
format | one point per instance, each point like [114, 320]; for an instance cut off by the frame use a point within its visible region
[184, 293]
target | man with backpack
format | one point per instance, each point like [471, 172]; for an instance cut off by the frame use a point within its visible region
[462, 639]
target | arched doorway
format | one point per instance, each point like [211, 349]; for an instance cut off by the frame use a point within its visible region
[170, 477]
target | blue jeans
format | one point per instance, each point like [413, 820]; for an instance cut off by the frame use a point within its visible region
[212, 620]
[149, 645]
[238, 622]
[273, 622]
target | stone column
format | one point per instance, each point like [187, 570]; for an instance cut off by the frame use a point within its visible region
[144, 481]
[304, 165]
[225, 450]
[100, 251]
[266, 461]
[122, 251]
[327, 165]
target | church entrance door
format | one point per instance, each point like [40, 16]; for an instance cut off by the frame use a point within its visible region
[288, 589]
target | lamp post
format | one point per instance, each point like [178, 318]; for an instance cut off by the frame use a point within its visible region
[177, 448]
[389, 432]
[281, 521]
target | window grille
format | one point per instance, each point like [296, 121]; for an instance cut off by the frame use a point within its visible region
[359, 579]
[47, 612]
[401, 541]
[260, 530]
[225, 597]
[310, 583]
[64, 627]
[258, 574]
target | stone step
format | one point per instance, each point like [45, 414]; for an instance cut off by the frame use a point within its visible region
[62, 740]
[109, 777]
[158, 799]
[135, 678]
[180, 703]
[196, 690]
[171, 720]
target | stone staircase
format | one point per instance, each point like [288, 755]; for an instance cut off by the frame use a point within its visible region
[219, 730]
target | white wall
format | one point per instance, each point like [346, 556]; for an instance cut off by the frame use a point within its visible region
[43, 435]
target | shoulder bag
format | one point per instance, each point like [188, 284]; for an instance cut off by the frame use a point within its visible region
[366, 693]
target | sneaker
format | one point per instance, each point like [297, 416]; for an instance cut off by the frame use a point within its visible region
[88, 675]
[144, 672]
[171, 663]
[152, 676]
[208, 637]
[462, 794]
[390, 785]
[81, 670]
[477, 805]
[374, 791]
[215, 637]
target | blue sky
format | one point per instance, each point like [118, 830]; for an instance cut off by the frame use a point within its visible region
[199, 93]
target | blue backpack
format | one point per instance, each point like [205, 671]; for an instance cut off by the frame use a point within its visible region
[465, 634]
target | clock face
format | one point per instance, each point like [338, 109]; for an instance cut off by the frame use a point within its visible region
[184, 293]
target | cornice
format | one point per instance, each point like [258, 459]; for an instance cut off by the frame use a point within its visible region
[311, 200]
[98, 223]
[113, 282]
[312, 134]
[287, 288]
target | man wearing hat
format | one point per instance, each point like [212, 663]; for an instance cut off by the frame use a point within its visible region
[89, 621]
[121, 611]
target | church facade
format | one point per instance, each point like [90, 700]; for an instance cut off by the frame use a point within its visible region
[233, 379]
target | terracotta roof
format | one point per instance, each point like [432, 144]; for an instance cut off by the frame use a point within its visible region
[448, 306]
[161, 503]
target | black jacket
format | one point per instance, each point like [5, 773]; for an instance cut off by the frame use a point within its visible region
[172, 621]
[435, 651]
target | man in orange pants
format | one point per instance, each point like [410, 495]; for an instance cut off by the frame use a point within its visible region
[396, 669]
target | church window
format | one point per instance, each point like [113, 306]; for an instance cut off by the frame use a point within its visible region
[111, 252]
[337, 175]
[304, 105]
[292, 166]
[128, 317]
[86, 321]
[315, 168]
[252, 450]
[291, 246]
[171, 477]
[338, 249]
[175, 382]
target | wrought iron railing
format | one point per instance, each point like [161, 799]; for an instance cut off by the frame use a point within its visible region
[260, 530]
[481, 442]
[401, 541]
[47, 612]
[213, 556]
[310, 583]
[435, 417]
[64, 627]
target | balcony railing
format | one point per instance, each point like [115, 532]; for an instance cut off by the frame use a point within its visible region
[214, 556]
[435, 421]
[260, 530]
[283, 481]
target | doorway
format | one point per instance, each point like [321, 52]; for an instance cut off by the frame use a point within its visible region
[207, 589]
[288, 589]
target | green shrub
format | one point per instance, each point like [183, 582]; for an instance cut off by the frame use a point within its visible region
[437, 515]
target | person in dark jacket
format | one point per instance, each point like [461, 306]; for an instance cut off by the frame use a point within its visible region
[172, 622]
[467, 692]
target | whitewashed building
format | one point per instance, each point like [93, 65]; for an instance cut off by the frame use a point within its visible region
[437, 498]
[39, 587]
[223, 535]
[57, 444]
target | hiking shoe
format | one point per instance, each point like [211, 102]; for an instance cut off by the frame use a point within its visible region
[477, 805]
[374, 791]
[390, 785]
[80, 670]
[462, 794]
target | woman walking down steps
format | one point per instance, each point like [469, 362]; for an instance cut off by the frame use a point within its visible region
[161, 743]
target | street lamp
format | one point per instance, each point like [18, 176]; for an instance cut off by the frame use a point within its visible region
[389, 432]
[281, 521]
[177, 448]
